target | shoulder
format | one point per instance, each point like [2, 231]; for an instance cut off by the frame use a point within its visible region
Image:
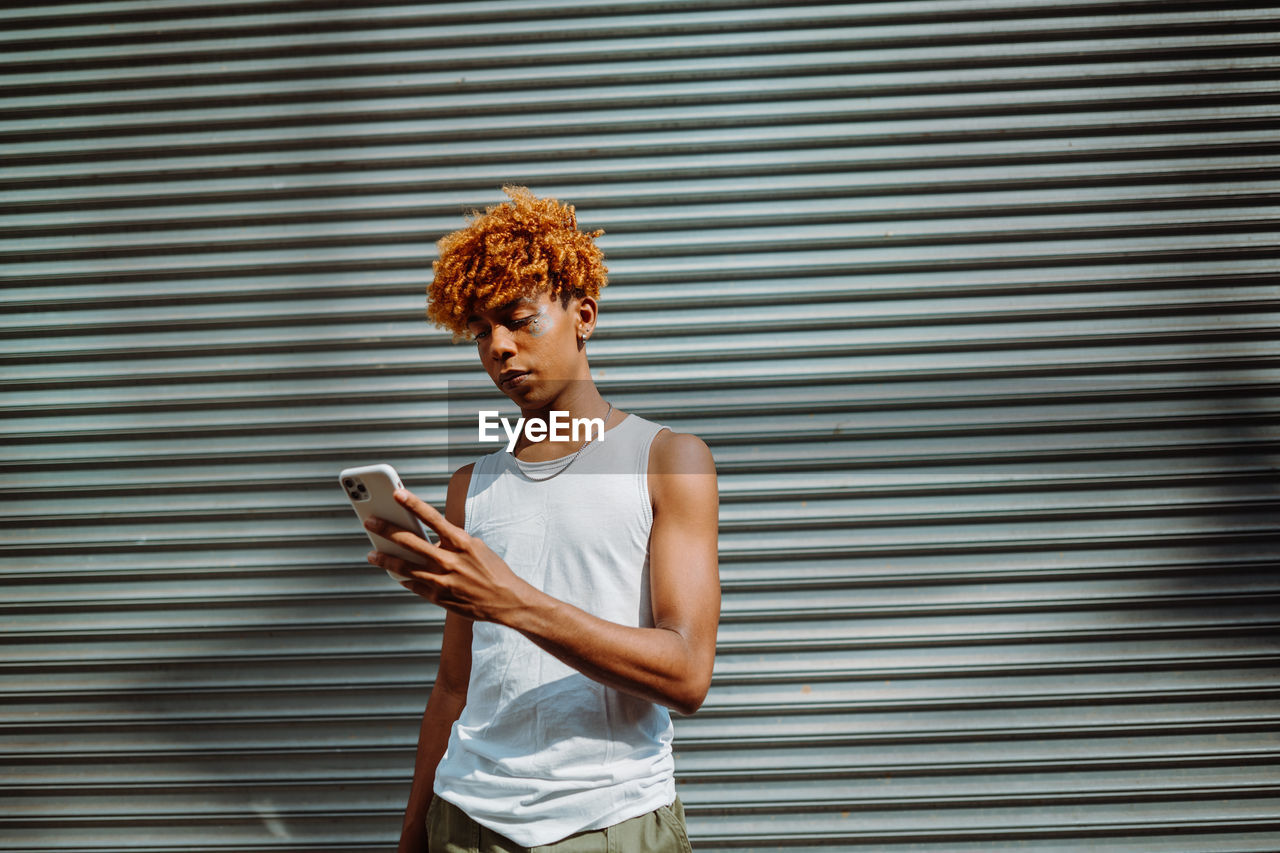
[680, 453]
[462, 477]
[682, 477]
[455, 508]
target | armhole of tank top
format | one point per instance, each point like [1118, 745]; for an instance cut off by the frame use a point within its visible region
[646, 495]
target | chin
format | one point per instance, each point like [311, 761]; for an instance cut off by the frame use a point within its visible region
[523, 396]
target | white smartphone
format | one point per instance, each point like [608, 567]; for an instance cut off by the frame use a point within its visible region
[370, 489]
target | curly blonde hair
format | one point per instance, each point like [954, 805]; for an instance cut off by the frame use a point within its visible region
[516, 248]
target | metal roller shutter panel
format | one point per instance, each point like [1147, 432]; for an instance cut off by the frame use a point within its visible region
[974, 300]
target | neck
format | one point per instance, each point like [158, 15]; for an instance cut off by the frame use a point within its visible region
[585, 402]
[580, 398]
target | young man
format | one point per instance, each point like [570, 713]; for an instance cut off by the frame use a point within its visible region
[580, 576]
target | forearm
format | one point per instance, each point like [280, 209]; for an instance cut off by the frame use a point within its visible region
[443, 708]
[669, 665]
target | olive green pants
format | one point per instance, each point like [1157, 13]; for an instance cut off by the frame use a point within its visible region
[449, 830]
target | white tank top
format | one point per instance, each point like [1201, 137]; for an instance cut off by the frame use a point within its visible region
[541, 751]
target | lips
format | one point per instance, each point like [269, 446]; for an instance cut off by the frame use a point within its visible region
[511, 378]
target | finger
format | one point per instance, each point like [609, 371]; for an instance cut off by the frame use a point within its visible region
[430, 590]
[403, 568]
[448, 532]
[430, 552]
[422, 589]
[434, 588]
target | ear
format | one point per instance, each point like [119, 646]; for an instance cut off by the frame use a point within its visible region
[584, 312]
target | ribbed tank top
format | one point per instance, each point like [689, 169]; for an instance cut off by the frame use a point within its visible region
[541, 751]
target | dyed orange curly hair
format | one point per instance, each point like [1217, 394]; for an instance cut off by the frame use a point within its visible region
[517, 248]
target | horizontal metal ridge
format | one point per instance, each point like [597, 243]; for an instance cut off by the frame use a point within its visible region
[113, 18]
[840, 832]
[377, 764]
[836, 440]
[941, 508]
[727, 418]
[797, 136]
[741, 659]
[995, 227]
[402, 311]
[1140, 736]
[649, 35]
[504, 25]
[800, 206]
[166, 644]
[893, 538]
[1047, 348]
[692, 397]
[904, 167]
[374, 798]
[232, 717]
[1160, 632]
[719, 340]
[43, 682]
[929, 256]
[1151, 49]
[947, 616]
[404, 290]
[829, 94]
[210, 499]
[643, 395]
[715, 79]
[1231, 362]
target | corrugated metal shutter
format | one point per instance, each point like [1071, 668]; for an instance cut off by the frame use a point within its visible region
[975, 301]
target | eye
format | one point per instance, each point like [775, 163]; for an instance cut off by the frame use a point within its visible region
[480, 335]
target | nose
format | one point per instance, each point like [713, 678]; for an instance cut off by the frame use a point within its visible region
[501, 343]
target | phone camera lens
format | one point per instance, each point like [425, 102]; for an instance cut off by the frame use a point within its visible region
[356, 496]
[348, 482]
[362, 488]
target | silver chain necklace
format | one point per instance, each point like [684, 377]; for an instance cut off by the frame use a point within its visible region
[566, 465]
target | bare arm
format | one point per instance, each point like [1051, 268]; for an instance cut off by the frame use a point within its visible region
[670, 663]
[448, 697]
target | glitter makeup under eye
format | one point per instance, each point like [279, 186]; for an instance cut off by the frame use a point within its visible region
[539, 325]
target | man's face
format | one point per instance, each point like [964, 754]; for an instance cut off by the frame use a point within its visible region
[529, 347]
